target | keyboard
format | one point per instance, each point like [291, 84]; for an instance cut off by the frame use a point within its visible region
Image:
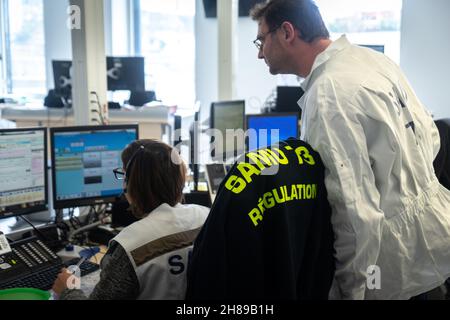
[44, 279]
[31, 264]
[86, 267]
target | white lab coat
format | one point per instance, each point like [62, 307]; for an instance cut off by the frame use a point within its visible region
[378, 143]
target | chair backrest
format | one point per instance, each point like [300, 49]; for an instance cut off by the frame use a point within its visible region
[268, 234]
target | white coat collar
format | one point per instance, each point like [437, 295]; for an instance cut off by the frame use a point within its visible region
[323, 57]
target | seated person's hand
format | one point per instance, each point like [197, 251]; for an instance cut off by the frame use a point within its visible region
[65, 280]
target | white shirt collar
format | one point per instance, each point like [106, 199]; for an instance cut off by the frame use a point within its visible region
[323, 57]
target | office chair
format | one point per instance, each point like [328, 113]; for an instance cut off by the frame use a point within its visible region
[258, 242]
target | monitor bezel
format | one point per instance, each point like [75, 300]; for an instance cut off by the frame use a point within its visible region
[270, 115]
[90, 201]
[37, 208]
[225, 155]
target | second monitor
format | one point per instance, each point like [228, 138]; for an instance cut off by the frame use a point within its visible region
[266, 129]
[227, 117]
[83, 162]
[124, 73]
[287, 99]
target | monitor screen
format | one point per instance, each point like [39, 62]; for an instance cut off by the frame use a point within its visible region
[376, 47]
[243, 9]
[23, 171]
[83, 162]
[287, 99]
[225, 116]
[126, 73]
[270, 129]
[215, 173]
[62, 76]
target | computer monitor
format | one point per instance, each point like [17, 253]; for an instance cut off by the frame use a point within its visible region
[243, 9]
[286, 125]
[23, 171]
[376, 47]
[228, 115]
[287, 99]
[83, 161]
[62, 76]
[215, 173]
[126, 73]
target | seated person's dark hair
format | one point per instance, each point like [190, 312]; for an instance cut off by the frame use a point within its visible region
[152, 177]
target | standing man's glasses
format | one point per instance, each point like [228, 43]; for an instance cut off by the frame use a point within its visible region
[259, 42]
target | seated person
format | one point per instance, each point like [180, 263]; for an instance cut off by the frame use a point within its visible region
[268, 235]
[148, 259]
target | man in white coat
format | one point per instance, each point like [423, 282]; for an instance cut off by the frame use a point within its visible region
[390, 214]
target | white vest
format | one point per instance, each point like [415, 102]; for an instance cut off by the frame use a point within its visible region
[159, 246]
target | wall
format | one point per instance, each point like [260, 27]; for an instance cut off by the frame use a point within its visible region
[254, 82]
[58, 41]
[425, 52]
[424, 33]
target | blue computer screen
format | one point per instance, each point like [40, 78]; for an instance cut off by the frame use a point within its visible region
[84, 162]
[270, 129]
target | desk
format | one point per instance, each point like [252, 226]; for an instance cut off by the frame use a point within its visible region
[153, 122]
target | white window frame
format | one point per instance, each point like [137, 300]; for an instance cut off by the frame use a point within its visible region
[6, 71]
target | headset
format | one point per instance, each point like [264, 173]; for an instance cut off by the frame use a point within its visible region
[130, 165]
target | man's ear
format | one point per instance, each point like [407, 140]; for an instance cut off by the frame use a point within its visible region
[289, 31]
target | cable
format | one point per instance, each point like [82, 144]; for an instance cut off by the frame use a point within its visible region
[85, 228]
[100, 109]
[43, 237]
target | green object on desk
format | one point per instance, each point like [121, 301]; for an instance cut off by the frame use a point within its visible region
[24, 294]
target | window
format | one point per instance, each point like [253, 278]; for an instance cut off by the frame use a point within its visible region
[24, 46]
[167, 41]
[365, 22]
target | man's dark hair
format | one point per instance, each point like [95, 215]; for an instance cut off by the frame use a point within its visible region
[303, 14]
[152, 177]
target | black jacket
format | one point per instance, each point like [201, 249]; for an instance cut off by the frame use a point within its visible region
[267, 236]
